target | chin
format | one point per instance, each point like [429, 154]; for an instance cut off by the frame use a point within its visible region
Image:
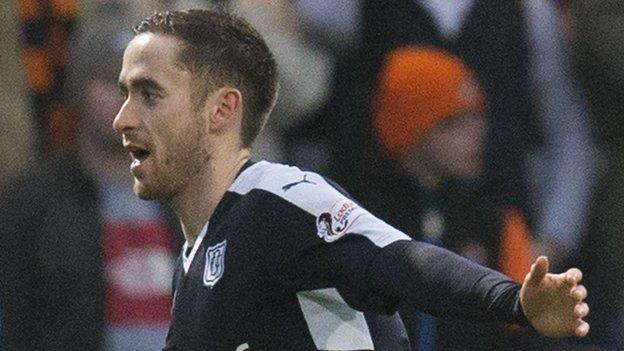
[152, 191]
[144, 192]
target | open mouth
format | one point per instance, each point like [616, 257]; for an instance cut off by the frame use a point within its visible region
[139, 154]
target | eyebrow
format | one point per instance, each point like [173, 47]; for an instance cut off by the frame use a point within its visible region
[141, 83]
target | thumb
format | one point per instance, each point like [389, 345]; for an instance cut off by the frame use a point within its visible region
[538, 271]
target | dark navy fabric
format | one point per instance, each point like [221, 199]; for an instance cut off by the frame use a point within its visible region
[274, 250]
[267, 262]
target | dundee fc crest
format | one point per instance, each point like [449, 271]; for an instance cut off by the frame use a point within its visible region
[215, 264]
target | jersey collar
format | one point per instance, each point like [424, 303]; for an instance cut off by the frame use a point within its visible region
[187, 260]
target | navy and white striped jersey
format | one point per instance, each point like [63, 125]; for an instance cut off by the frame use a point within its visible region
[287, 262]
[281, 265]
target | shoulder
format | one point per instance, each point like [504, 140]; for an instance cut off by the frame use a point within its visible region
[47, 186]
[285, 181]
[331, 211]
[51, 175]
[306, 190]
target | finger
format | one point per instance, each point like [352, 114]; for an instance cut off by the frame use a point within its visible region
[573, 276]
[581, 310]
[538, 271]
[579, 293]
[582, 329]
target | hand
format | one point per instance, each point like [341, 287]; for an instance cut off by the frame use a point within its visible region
[553, 303]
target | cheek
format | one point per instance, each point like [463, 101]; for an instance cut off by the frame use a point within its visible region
[454, 154]
[462, 144]
[168, 138]
[181, 152]
[444, 148]
[472, 137]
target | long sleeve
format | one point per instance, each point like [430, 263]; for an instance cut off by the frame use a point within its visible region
[17, 327]
[411, 273]
[443, 284]
[50, 277]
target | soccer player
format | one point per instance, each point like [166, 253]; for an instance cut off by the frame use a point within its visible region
[277, 258]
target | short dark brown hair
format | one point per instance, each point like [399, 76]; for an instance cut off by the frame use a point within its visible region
[222, 49]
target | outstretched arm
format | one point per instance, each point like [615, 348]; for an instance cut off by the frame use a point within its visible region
[447, 285]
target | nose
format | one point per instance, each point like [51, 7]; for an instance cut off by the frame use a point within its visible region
[126, 119]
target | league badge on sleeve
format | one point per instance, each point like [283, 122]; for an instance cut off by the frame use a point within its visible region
[333, 225]
[215, 264]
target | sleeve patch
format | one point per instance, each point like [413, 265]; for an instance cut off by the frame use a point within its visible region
[334, 224]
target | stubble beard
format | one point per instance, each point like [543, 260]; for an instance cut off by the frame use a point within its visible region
[187, 160]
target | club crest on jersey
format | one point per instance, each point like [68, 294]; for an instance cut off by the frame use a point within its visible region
[334, 224]
[215, 264]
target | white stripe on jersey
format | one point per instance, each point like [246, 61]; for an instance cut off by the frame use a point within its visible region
[332, 323]
[311, 192]
[187, 260]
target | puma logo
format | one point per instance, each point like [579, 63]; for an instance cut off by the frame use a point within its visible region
[288, 186]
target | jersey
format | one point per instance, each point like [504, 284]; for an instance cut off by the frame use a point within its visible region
[280, 265]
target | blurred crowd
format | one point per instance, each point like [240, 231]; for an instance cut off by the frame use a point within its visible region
[492, 128]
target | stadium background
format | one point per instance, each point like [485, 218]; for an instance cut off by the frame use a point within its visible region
[555, 144]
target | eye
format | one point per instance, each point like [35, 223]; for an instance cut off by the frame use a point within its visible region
[148, 98]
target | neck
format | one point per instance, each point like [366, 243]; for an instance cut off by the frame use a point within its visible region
[196, 203]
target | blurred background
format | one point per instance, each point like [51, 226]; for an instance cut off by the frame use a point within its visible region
[389, 98]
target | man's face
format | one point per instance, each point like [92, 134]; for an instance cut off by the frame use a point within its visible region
[165, 135]
[455, 146]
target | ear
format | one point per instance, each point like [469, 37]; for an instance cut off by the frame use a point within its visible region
[226, 109]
